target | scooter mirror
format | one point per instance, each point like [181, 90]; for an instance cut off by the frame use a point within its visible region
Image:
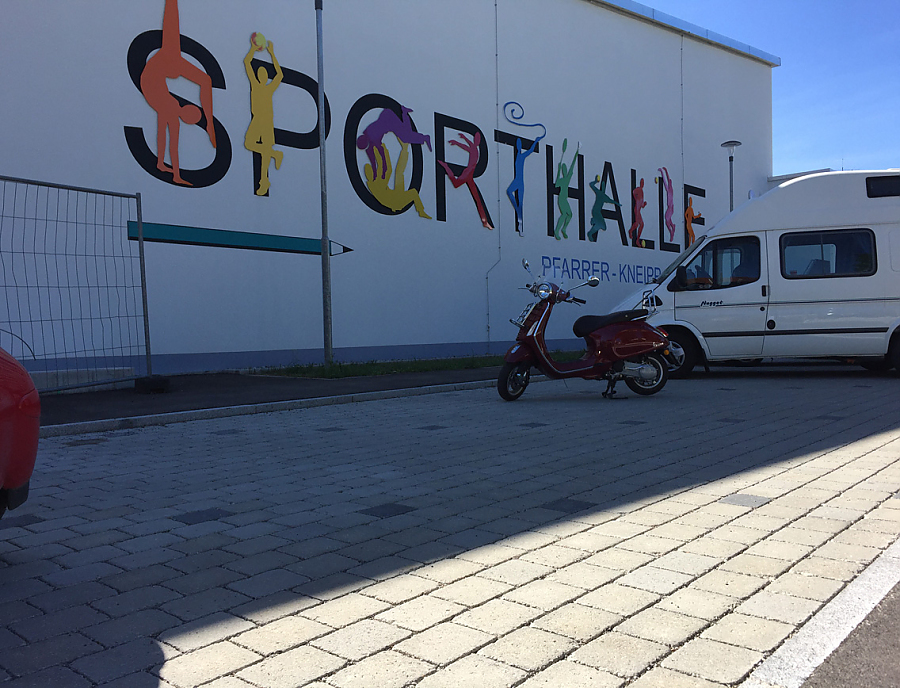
[593, 281]
[525, 264]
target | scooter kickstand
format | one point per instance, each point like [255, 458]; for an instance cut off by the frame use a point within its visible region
[610, 392]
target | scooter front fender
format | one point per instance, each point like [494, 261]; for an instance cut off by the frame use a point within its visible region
[519, 353]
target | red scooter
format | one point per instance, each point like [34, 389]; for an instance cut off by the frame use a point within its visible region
[618, 346]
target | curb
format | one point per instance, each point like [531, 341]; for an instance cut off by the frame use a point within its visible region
[250, 409]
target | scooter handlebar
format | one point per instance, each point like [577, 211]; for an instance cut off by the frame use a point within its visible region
[577, 300]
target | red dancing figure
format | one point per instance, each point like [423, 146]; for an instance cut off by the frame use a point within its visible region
[638, 226]
[468, 174]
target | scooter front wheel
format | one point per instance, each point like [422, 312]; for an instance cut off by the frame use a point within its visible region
[513, 380]
[648, 387]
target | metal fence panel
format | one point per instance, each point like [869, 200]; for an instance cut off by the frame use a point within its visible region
[72, 297]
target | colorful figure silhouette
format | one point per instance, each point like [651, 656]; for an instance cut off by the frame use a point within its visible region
[372, 138]
[689, 218]
[468, 174]
[516, 189]
[637, 226]
[563, 179]
[261, 133]
[598, 222]
[666, 181]
[398, 197]
[168, 63]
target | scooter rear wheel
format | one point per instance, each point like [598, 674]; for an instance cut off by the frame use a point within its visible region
[512, 380]
[648, 387]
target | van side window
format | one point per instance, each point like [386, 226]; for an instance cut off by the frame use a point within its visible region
[882, 187]
[725, 263]
[839, 253]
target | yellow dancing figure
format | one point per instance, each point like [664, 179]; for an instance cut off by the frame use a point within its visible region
[261, 133]
[398, 197]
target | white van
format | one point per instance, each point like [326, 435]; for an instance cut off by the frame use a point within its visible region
[810, 269]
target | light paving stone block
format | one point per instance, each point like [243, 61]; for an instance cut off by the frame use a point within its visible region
[759, 521]
[120, 661]
[420, 613]
[554, 556]
[474, 671]
[444, 643]
[728, 583]
[710, 546]
[620, 529]
[293, 668]
[515, 572]
[528, 648]
[652, 579]
[774, 549]
[273, 607]
[490, 555]
[449, 570]
[845, 552]
[806, 586]
[619, 654]
[855, 536]
[224, 682]
[577, 621]
[472, 590]
[361, 639]
[281, 634]
[646, 518]
[400, 588]
[191, 669]
[828, 568]
[583, 575]
[699, 519]
[618, 599]
[700, 603]
[744, 536]
[752, 565]
[748, 631]
[650, 544]
[386, 669]
[779, 607]
[678, 531]
[713, 661]
[800, 536]
[497, 617]
[662, 626]
[567, 674]
[528, 541]
[619, 559]
[666, 678]
[824, 525]
[206, 631]
[685, 562]
[588, 541]
[543, 594]
[345, 610]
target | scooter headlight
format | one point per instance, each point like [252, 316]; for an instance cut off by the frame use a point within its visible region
[544, 291]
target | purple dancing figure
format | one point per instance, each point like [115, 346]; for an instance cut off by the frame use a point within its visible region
[666, 181]
[373, 135]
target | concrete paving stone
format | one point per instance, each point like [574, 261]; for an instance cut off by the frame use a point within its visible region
[515, 572]
[205, 631]
[345, 610]
[528, 648]
[685, 562]
[386, 669]
[267, 583]
[213, 661]
[648, 543]
[701, 519]
[662, 626]
[201, 560]
[235, 682]
[191, 607]
[666, 678]
[293, 668]
[147, 542]
[577, 621]
[806, 586]
[312, 547]
[323, 565]
[619, 599]
[572, 675]
[856, 536]
[416, 535]
[259, 563]
[779, 607]
[204, 579]
[653, 579]
[255, 545]
[471, 591]
[400, 588]
[800, 536]
[444, 643]
[825, 525]
[11, 612]
[384, 568]
[830, 511]
[13, 555]
[9, 639]
[678, 531]
[431, 552]
[27, 538]
[644, 517]
[844, 552]
[129, 580]
[474, 671]
[738, 534]
[361, 639]
[47, 599]
[56, 651]
[528, 541]
[561, 528]
[619, 559]
[751, 632]
[128, 658]
[489, 555]
[281, 634]
[333, 586]
[266, 609]
[752, 565]
[449, 570]
[143, 559]
[370, 550]
[713, 661]
[80, 574]
[543, 594]
[140, 624]
[713, 547]
[137, 599]
[497, 616]
[759, 521]
[700, 603]
[619, 654]
[587, 541]
[160, 525]
[828, 568]
[57, 677]
[420, 613]
[729, 583]
[48, 625]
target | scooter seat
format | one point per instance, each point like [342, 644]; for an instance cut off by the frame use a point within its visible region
[588, 323]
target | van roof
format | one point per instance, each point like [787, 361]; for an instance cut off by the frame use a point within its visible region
[825, 199]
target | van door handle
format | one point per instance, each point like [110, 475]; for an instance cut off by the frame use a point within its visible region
[764, 290]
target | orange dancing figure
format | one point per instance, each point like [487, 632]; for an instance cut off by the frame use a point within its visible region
[168, 63]
[639, 203]
[689, 218]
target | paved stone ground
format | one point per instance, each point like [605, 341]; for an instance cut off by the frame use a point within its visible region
[453, 539]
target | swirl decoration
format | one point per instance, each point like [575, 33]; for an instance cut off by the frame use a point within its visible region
[514, 112]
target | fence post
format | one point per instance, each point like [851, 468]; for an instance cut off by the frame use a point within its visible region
[140, 225]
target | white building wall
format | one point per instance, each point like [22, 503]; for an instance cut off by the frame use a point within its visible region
[635, 94]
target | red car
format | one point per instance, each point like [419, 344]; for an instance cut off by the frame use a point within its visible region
[20, 422]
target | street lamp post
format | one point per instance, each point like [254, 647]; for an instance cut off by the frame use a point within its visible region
[731, 145]
[326, 244]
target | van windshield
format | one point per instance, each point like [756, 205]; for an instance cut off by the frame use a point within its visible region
[675, 263]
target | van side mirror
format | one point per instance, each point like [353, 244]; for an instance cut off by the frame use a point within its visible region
[680, 280]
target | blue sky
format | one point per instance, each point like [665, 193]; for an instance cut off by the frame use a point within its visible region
[836, 95]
